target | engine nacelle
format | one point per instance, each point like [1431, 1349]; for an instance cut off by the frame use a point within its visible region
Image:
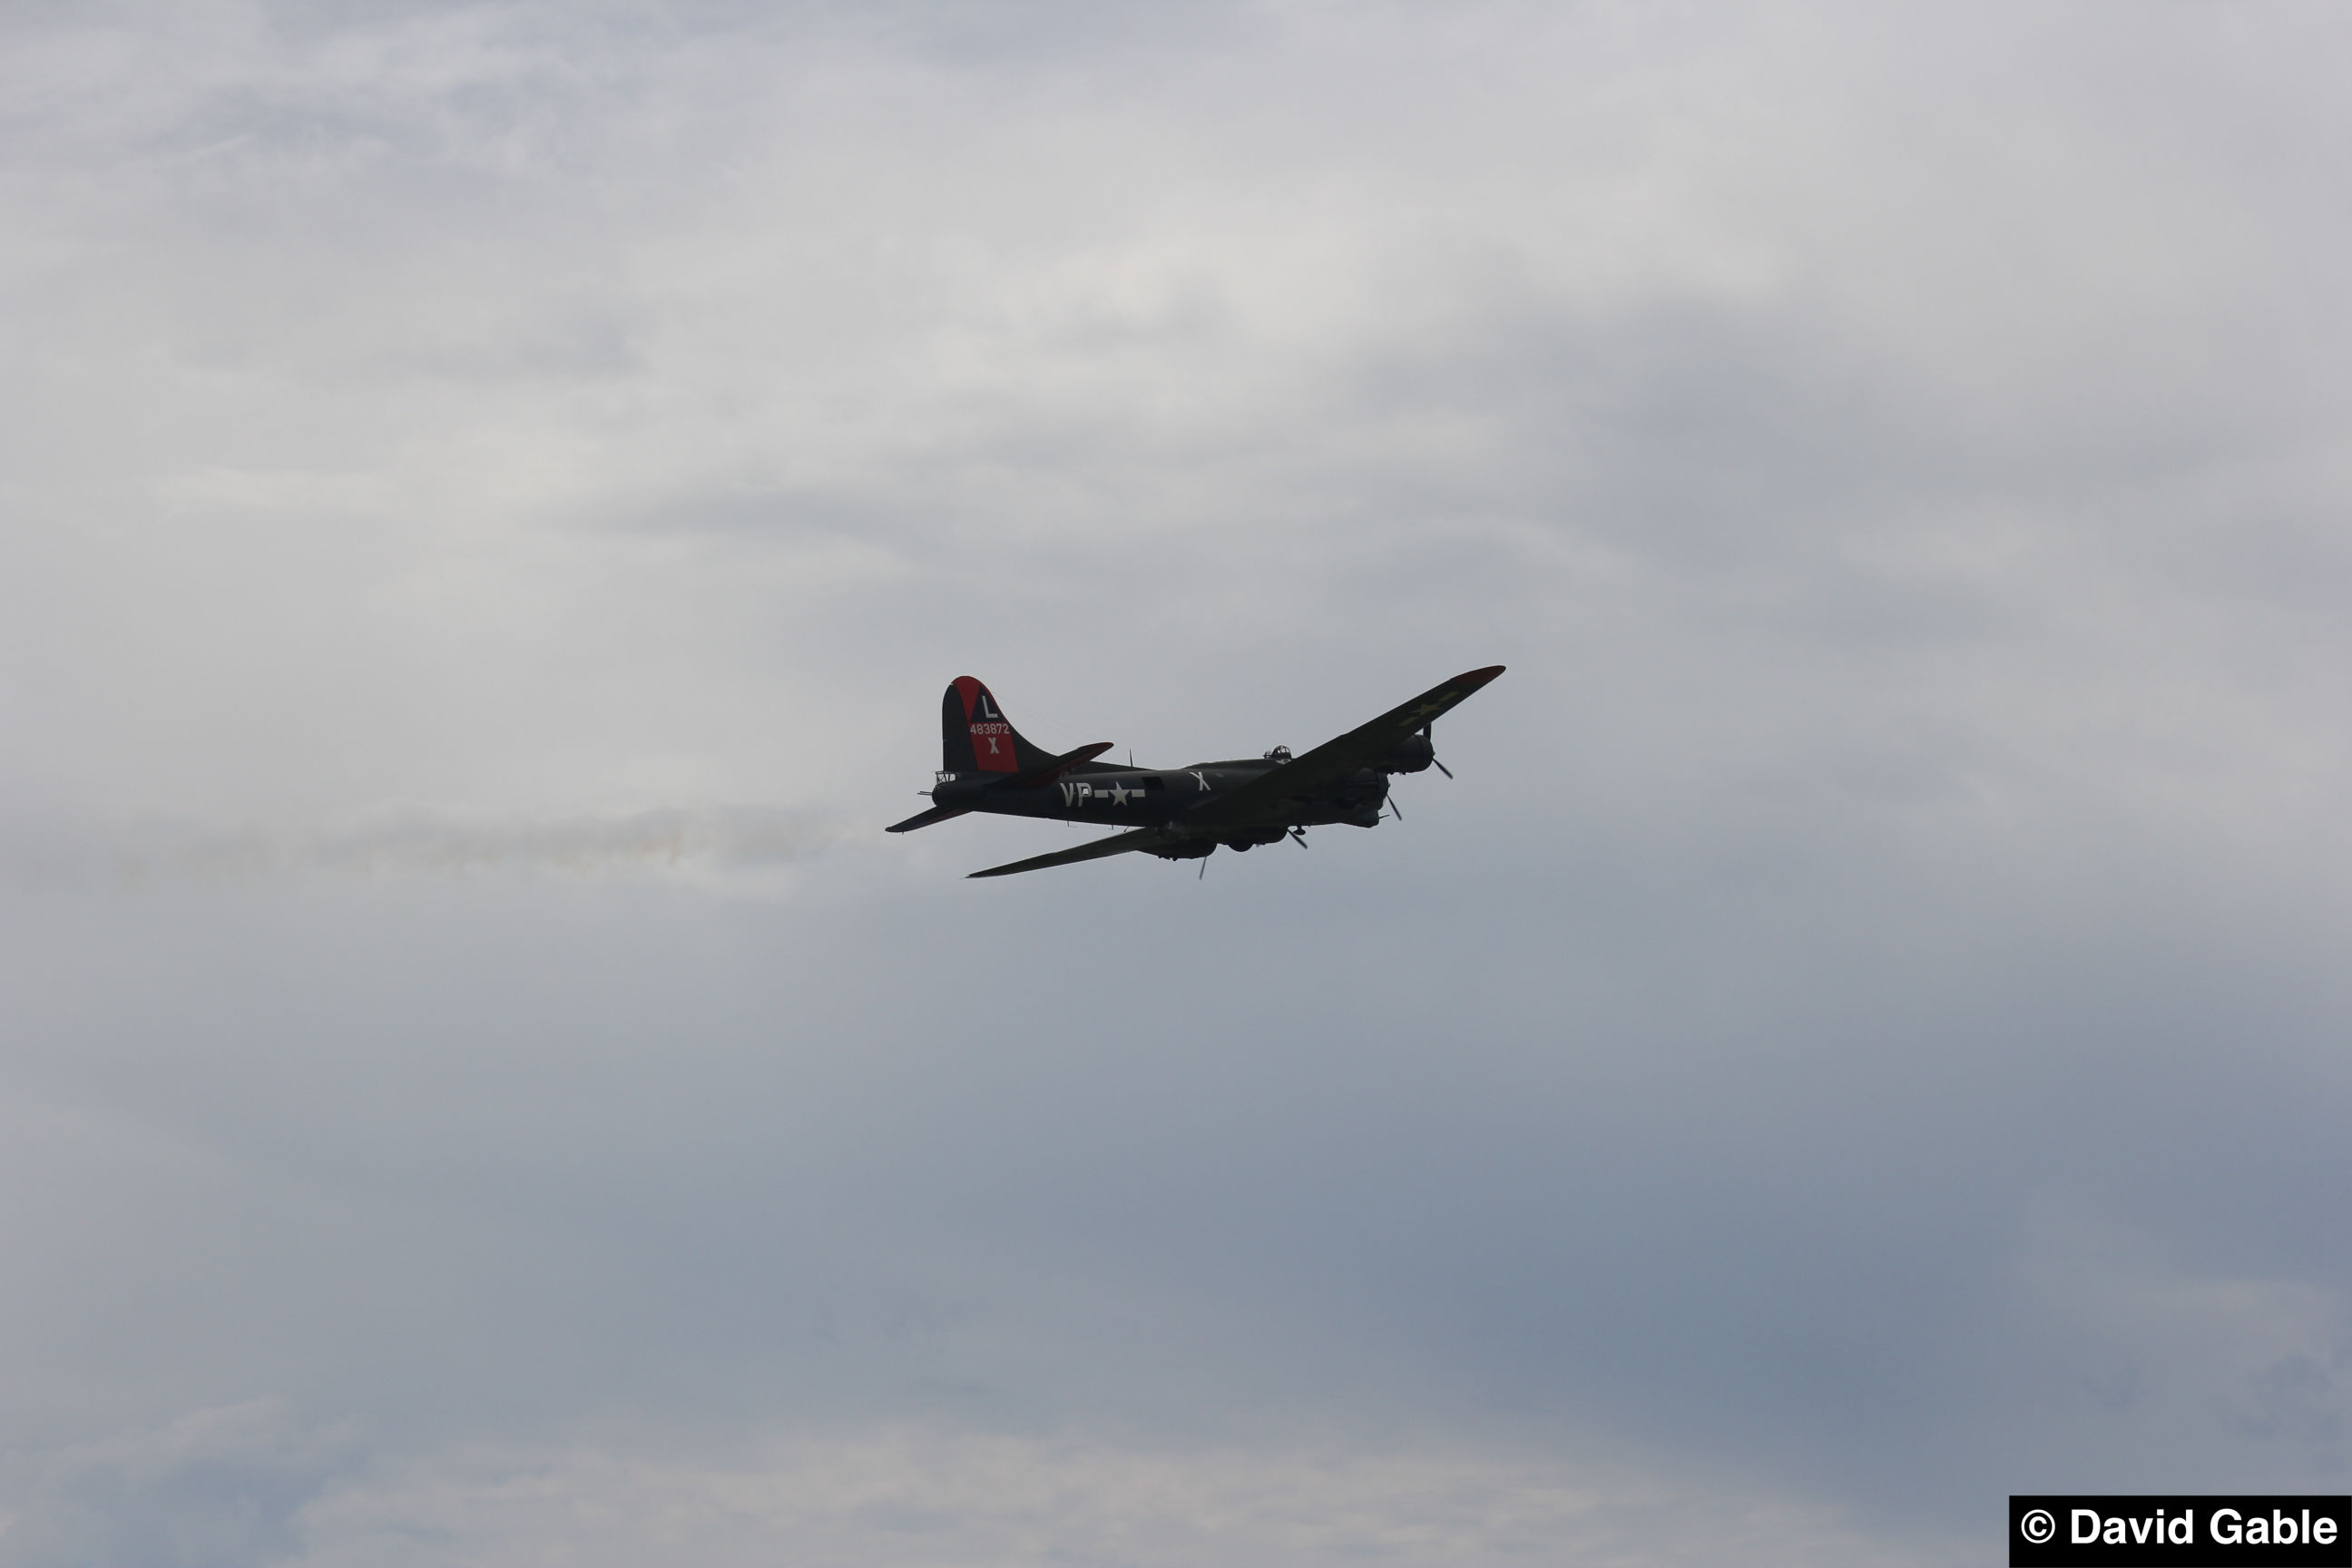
[1411, 755]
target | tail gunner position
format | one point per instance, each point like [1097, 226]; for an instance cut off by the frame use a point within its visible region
[1179, 813]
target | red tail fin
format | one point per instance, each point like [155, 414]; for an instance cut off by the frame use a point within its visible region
[977, 740]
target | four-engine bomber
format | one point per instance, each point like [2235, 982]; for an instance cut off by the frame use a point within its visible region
[1178, 813]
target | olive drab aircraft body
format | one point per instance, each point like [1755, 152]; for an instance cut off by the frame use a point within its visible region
[1177, 813]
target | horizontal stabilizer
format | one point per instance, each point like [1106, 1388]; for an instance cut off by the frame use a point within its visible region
[925, 818]
[1049, 772]
[1117, 844]
[1044, 773]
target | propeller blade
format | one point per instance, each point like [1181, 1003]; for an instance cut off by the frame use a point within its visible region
[1441, 767]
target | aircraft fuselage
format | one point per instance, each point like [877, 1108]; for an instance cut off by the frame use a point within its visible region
[1149, 797]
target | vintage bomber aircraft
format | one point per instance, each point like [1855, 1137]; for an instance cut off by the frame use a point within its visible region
[1179, 813]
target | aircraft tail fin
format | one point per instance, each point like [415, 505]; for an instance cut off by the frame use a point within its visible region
[977, 740]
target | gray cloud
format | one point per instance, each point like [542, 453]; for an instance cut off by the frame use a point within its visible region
[1859, 1037]
[703, 838]
[212, 1486]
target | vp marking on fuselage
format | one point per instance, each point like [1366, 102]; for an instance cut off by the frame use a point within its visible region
[1083, 794]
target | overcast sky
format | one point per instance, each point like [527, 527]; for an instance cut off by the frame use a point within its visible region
[490, 496]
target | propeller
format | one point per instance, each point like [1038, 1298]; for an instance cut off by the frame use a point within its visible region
[1433, 763]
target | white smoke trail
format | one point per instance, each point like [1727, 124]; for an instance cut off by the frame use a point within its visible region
[665, 840]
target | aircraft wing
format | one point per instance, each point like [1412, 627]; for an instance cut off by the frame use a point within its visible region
[1117, 844]
[1267, 800]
